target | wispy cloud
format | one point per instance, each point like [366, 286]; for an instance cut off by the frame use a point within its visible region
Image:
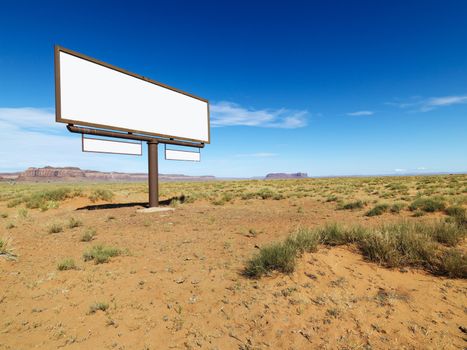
[428, 104]
[434, 102]
[31, 137]
[400, 170]
[257, 155]
[231, 114]
[29, 118]
[360, 113]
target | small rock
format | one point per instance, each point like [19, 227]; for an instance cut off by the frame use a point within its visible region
[310, 275]
[180, 280]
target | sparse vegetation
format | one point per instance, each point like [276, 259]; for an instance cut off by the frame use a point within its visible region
[351, 205]
[396, 245]
[88, 235]
[397, 207]
[189, 258]
[6, 247]
[101, 194]
[55, 228]
[66, 264]
[428, 205]
[99, 306]
[101, 254]
[378, 210]
[72, 223]
[10, 225]
[452, 263]
[23, 213]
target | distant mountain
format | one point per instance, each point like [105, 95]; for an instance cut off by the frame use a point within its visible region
[73, 174]
[274, 176]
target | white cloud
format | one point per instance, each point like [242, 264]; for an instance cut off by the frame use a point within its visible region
[361, 113]
[31, 137]
[434, 102]
[231, 114]
[257, 155]
[28, 118]
[400, 170]
[428, 104]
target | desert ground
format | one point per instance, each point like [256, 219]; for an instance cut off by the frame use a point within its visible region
[80, 268]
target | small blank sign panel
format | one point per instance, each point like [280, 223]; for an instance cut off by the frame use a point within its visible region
[171, 154]
[110, 146]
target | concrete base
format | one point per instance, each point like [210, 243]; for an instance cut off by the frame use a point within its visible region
[154, 210]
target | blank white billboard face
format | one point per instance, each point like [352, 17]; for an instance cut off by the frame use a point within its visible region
[92, 93]
[171, 154]
[109, 146]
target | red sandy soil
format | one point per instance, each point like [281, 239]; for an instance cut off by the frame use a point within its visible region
[180, 285]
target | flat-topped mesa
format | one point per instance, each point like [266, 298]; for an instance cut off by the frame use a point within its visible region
[71, 174]
[50, 173]
[273, 176]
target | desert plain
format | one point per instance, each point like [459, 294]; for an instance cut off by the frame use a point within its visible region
[80, 268]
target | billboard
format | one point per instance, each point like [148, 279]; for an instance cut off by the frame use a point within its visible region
[171, 154]
[93, 93]
[111, 146]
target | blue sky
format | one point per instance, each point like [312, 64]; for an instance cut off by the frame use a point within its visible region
[323, 87]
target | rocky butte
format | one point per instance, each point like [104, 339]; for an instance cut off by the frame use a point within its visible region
[274, 176]
[73, 174]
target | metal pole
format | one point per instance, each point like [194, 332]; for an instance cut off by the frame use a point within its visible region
[153, 173]
[130, 136]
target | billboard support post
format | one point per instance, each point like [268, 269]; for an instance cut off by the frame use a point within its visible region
[153, 174]
[153, 167]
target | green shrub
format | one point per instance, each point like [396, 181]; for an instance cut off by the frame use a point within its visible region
[101, 194]
[397, 207]
[332, 198]
[398, 245]
[418, 213]
[101, 254]
[334, 235]
[14, 202]
[277, 256]
[46, 205]
[67, 264]
[458, 215]
[456, 210]
[23, 213]
[100, 306]
[352, 205]
[453, 263]
[449, 233]
[55, 228]
[428, 205]
[248, 195]
[304, 240]
[72, 223]
[6, 247]
[378, 210]
[88, 235]
[3, 215]
[265, 193]
[40, 199]
[218, 201]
